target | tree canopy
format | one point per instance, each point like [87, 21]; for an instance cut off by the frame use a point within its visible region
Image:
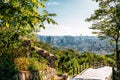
[23, 14]
[21, 17]
[106, 22]
[106, 18]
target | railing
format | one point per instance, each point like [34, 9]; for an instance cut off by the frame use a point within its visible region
[79, 69]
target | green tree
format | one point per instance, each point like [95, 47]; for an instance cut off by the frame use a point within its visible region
[18, 18]
[106, 23]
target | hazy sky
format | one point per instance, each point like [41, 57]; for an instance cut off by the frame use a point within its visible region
[71, 15]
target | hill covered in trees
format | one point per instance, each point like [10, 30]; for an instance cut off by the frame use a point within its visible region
[66, 59]
[80, 43]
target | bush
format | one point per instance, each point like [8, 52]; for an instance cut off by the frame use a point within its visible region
[7, 68]
[29, 64]
[22, 63]
[34, 64]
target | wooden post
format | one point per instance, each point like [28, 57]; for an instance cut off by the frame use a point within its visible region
[89, 65]
[73, 70]
[62, 68]
[93, 65]
[58, 65]
[85, 65]
[77, 70]
[97, 65]
[80, 69]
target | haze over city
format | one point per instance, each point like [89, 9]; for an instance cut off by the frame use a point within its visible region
[71, 15]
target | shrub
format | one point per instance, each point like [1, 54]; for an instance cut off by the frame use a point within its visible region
[29, 64]
[34, 64]
[22, 63]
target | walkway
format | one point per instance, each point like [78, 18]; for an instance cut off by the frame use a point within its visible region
[102, 73]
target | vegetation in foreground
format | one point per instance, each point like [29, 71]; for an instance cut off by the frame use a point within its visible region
[20, 19]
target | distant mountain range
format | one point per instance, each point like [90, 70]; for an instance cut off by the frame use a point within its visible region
[80, 43]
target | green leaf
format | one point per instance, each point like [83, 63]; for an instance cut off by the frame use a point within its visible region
[45, 12]
[42, 26]
[7, 25]
[52, 14]
[41, 5]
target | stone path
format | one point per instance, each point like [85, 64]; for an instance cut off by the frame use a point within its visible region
[102, 73]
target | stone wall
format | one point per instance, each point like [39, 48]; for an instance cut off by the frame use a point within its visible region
[49, 74]
[27, 75]
[47, 55]
[35, 75]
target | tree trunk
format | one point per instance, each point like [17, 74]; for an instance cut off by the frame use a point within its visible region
[117, 55]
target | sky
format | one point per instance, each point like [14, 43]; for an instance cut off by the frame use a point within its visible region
[71, 15]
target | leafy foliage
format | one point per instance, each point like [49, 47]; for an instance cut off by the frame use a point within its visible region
[106, 20]
[18, 19]
[29, 64]
[69, 58]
